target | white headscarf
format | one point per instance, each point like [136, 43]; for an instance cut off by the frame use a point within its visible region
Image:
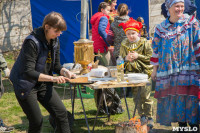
[169, 3]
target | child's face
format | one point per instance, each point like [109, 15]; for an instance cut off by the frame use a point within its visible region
[106, 11]
[132, 35]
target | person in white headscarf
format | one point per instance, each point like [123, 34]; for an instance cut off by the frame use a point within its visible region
[176, 60]
[190, 8]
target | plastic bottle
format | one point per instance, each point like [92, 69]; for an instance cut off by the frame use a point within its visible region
[120, 69]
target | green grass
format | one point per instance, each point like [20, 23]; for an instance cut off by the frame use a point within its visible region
[10, 58]
[12, 114]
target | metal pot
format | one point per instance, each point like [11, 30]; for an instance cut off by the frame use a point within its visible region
[84, 53]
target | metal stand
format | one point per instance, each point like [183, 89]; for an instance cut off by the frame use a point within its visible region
[124, 90]
[108, 114]
[102, 97]
[79, 89]
[83, 108]
[70, 86]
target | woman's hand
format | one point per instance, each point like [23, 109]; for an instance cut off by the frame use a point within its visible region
[67, 73]
[60, 79]
[153, 75]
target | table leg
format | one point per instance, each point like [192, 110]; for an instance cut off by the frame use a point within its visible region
[64, 92]
[79, 89]
[137, 99]
[73, 101]
[124, 90]
[70, 87]
[101, 97]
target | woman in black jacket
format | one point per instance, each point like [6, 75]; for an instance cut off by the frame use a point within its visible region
[32, 74]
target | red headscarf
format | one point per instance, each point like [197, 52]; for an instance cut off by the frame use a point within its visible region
[131, 24]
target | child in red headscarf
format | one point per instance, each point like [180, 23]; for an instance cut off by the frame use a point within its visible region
[136, 52]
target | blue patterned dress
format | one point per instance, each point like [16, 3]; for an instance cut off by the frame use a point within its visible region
[176, 51]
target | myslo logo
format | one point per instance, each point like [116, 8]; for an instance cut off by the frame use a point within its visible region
[184, 129]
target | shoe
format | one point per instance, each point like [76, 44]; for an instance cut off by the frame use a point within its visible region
[143, 120]
[6, 129]
[102, 111]
[150, 122]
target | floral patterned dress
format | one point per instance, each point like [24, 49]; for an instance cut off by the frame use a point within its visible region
[176, 51]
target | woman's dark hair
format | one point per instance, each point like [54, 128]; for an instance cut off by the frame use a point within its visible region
[122, 9]
[102, 5]
[55, 20]
[109, 1]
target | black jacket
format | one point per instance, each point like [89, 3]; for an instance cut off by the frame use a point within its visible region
[36, 56]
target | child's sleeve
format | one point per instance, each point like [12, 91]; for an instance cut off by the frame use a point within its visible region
[147, 53]
[102, 28]
[155, 43]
